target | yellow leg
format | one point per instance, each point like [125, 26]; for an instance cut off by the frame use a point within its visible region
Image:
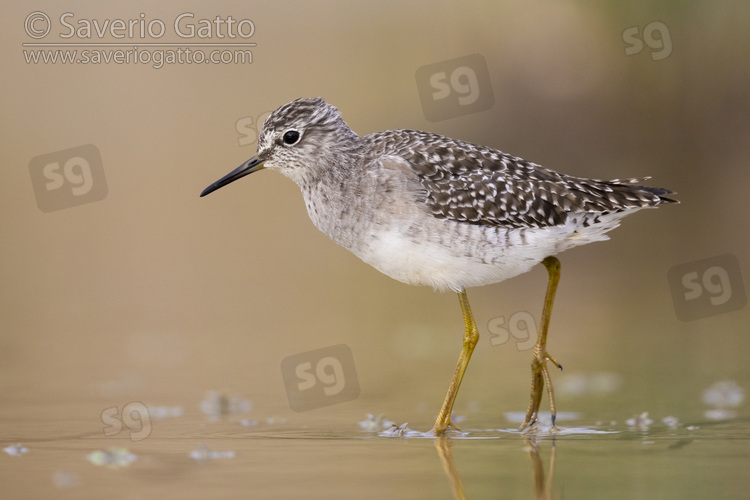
[471, 336]
[539, 372]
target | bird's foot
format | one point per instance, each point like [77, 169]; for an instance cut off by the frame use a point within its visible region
[540, 376]
[449, 431]
[445, 428]
[535, 428]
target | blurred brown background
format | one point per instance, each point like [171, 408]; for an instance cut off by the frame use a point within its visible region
[155, 294]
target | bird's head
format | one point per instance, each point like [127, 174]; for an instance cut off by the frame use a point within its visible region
[299, 140]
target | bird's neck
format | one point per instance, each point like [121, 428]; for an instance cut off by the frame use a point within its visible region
[331, 193]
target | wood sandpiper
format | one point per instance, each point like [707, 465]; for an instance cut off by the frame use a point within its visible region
[429, 210]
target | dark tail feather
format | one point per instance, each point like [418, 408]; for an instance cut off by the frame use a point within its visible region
[660, 192]
[635, 183]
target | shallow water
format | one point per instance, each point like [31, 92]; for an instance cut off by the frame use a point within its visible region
[119, 312]
[194, 455]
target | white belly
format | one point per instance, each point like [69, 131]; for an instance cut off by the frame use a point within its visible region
[466, 255]
[451, 264]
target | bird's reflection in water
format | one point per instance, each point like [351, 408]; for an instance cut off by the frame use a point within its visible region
[443, 445]
[542, 486]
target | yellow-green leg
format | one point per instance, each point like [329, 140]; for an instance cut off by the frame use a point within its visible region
[471, 336]
[539, 358]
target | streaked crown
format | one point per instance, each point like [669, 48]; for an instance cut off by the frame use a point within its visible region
[299, 138]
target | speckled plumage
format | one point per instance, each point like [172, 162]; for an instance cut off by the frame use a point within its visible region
[476, 184]
[431, 210]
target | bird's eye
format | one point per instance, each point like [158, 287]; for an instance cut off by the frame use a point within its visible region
[291, 137]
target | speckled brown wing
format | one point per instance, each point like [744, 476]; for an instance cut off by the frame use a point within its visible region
[479, 185]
